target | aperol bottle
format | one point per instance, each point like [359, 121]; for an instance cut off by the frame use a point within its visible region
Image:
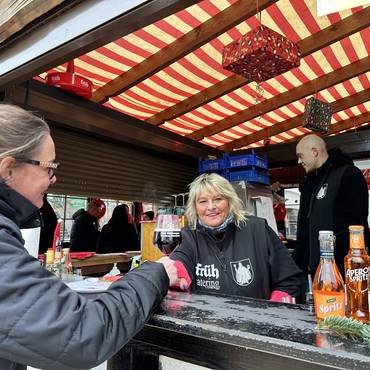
[328, 285]
[356, 265]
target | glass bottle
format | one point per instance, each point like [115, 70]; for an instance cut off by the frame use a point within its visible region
[328, 285]
[67, 268]
[57, 265]
[356, 265]
[49, 262]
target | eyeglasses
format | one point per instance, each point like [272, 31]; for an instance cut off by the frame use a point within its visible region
[51, 166]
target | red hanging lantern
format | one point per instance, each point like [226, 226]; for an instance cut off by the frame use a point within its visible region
[70, 81]
[261, 54]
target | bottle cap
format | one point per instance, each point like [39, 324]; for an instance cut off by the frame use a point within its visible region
[325, 234]
[356, 228]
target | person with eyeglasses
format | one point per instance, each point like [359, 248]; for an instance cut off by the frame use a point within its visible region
[44, 323]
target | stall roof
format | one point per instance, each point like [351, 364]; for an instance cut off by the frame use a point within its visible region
[169, 73]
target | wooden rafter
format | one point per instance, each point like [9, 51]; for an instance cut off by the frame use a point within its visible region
[15, 15]
[289, 124]
[247, 114]
[349, 123]
[309, 45]
[192, 40]
[291, 96]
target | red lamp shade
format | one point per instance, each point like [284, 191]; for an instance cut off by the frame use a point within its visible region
[261, 54]
[70, 82]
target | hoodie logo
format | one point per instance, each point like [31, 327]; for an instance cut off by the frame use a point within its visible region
[322, 192]
[242, 272]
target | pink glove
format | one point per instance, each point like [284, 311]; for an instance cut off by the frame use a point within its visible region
[183, 279]
[279, 296]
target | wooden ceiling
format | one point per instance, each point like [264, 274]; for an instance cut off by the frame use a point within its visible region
[169, 73]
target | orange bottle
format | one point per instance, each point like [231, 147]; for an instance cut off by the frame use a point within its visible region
[356, 265]
[328, 285]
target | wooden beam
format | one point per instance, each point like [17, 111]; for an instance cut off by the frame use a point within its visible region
[192, 40]
[352, 122]
[84, 116]
[16, 15]
[290, 96]
[289, 124]
[120, 25]
[203, 97]
[309, 45]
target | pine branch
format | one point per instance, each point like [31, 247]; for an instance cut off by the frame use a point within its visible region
[345, 327]
[366, 334]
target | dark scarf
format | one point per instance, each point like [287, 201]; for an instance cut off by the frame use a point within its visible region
[215, 231]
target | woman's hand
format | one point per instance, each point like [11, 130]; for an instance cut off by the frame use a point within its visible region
[170, 268]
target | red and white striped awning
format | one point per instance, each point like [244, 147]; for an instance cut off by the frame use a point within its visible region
[201, 69]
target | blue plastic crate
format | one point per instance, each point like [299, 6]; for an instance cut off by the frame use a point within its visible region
[252, 175]
[245, 160]
[209, 165]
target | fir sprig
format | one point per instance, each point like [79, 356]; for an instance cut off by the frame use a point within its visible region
[347, 327]
[366, 334]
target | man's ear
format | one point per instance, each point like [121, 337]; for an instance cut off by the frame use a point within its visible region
[6, 166]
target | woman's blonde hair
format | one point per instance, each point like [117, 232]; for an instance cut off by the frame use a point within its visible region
[214, 183]
[21, 132]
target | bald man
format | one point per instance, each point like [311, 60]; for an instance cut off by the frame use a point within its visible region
[334, 195]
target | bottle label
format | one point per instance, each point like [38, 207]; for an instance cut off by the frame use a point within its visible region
[356, 239]
[326, 254]
[329, 304]
[360, 274]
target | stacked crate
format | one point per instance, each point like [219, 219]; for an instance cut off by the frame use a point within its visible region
[246, 167]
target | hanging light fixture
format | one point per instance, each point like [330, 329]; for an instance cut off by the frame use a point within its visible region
[70, 81]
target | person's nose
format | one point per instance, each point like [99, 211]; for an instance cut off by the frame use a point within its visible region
[211, 205]
[299, 160]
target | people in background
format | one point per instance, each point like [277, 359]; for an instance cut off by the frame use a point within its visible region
[225, 251]
[45, 324]
[49, 223]
[334, 195]
[148, 216]
[118, 235]
[85, 228]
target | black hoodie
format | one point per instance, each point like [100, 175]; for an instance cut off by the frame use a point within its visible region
[84, 233]
[333, 197]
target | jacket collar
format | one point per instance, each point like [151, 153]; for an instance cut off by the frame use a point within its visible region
[16, 207]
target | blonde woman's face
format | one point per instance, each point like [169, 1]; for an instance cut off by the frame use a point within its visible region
[212, 209]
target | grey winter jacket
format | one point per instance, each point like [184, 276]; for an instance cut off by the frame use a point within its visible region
[46, 325]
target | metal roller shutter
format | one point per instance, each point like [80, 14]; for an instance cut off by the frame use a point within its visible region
[92, 166]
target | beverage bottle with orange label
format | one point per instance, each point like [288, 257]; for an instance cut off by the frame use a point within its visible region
[356, 265]
[328, 285]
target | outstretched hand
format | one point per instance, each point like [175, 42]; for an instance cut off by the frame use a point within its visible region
[170, 268]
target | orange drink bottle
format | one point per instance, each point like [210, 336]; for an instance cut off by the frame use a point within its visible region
[356, 265]
[328, 285]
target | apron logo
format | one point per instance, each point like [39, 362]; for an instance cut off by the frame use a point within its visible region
[242, 272]
[322, 192]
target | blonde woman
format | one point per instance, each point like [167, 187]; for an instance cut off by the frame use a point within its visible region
[225, 251]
